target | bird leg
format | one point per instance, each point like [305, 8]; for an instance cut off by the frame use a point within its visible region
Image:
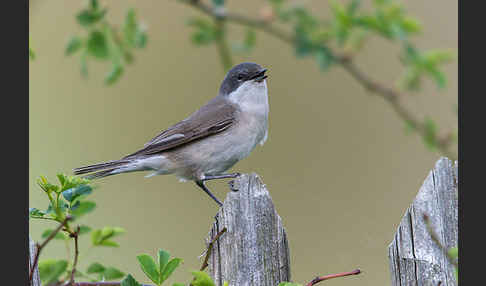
[204, 188]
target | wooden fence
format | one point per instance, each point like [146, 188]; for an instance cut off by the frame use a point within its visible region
[248, 244]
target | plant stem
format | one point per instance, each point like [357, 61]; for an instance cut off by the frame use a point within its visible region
[222, 44]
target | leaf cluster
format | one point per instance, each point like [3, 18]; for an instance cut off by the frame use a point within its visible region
[104, 42]
[68, 198]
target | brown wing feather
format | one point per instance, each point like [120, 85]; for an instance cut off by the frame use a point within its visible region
[214, 117]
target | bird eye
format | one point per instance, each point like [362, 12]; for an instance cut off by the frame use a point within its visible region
[240, 76]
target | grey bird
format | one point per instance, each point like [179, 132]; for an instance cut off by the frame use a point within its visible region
[210, 141]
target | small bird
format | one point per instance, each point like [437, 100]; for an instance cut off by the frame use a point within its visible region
[210, 141]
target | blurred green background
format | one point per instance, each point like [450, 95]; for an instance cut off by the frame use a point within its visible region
[338, 164]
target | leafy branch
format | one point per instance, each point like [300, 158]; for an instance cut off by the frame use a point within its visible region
[105, 42]
[348, 29]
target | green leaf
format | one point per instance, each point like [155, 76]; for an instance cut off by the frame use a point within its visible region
[218, 3]
[71, 194]
[430, 137]
[97, 45]
[84, 229]
[324, 58]
[409, 127]
[59, 235]
[163, 258]
[111, 273]
[178, 284]
[202, 279]
[87, 18]
[35, 213]
[100, 237]
[51, 269]
[109, 243]
[453, 252]
[140, 38]
[129, 281]
[31, 54]
[82, 208]
[205, 32]
[114, 74]
[94, 4]
[95, 268]
[169, 268]
[73, 45]
[46, 186]
[130, 27]
[149, 267]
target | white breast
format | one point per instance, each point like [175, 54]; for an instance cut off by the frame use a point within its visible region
[252, 98]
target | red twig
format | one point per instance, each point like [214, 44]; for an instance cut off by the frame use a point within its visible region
[330, 276]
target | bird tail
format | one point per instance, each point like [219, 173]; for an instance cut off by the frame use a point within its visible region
[101, 170]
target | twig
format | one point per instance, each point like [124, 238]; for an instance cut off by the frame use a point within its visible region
[210, 247]
[41, 246]
[389, 94]
[75, 235]
[435, 238]
[330, 276]
[223, 48]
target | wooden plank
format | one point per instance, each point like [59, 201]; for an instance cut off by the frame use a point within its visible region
[254, 250]
[415, 259]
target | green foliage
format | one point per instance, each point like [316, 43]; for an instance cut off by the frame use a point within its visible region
[101, 237]
[161, 271]
[218, 3]
[205, 32]
[419, 64]
[103, 42]
[248, 42]
[202, 279]
[453, 253]
[59, 235]
[51, 269]
[104, 273]
[430, 138]
[68, 198]
[129, 281]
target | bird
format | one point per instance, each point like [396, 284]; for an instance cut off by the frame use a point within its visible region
[208, 142]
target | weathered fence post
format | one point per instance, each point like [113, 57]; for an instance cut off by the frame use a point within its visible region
[254, 249]
[415, 259]
[35, 275]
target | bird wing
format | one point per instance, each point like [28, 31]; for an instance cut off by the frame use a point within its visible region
[214, 117]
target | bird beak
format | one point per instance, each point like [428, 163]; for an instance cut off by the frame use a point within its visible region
[260, 76]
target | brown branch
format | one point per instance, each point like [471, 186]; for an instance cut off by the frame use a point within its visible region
[389, 94]
[41, 246]
[435, 238]
[330, 276]
[210, 247]
[74, 235]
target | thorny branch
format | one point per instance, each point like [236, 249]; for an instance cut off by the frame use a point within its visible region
[330, 276]
[390, 95]
[41, 246]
